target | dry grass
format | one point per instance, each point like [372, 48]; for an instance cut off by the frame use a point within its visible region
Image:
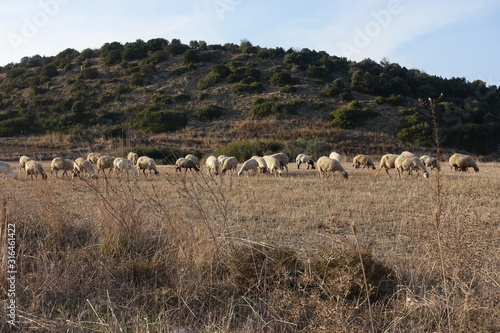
[256, 254]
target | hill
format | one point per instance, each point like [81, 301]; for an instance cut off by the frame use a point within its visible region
[202, 97]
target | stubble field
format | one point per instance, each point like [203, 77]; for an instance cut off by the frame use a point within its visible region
[185, 251]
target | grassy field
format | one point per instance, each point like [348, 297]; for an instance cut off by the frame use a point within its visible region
[255, 254]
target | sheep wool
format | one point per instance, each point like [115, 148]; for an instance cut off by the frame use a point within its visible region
[185, 163]
[409, 163]
[362, 161]
[247, 166]
[123, 164]
[213, 165]
[306, 159]
[34, 168]
[83, 168]
[461, 162]
[59, 163]
[5, 168]
[146, 163]
[105, 162]
[229, 164]
[329, 165]
[387, 162]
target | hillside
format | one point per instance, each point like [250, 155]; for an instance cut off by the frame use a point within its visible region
[202, 97]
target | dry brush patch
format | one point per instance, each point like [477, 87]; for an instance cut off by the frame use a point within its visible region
[255, 254]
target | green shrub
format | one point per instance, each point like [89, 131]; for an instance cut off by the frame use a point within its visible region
[351, 116]
[209, 112]
[288, 89]
[162, 154]
[254, 87]
[379, 100]
[208, 80]
[280, 79]
[396, 100]
[154, 121]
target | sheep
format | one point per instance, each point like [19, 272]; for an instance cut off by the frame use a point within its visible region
[248, 165]
[326, 164]
[132, 157]
[303, 158]
[5, 168]
[273, 165]
[409, 163]
[105, 162]
[362, 161]
[221, 159]
[462, 162]
[122, 163]
[213, 165]
[262, 163]
[93, 157]
[284, 160]
[431, 162]
[34, 168]
[194, 159]
[60, 163]
[186, 164]
[387, 162]
[146, 163]
[335, 156]
[230, 164]
[407, 153]
[83, 168]
[22, 162]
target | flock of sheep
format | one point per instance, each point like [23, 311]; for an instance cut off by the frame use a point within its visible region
[275, 164]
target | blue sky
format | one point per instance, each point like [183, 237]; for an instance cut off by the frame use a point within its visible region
[444, 38]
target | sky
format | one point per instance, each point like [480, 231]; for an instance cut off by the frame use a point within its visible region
[447, 38]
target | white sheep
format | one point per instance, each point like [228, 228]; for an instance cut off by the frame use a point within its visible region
[329, 165]
[229, 164]
[262, 163]
[462, 162]
[335, 156]
[362, 161]
[306, 159]
[221, 159]
[248, 165]
[213, 165]
[195, 159]
[122, 163]
[34, 168]
[146, 163]
[63, 164]
[5, 168]
[132, 157]
[273, 165]
[105, 162]
[186, 164]
[83, 168]
[387, 162]
[22, 161]
[430, 162]
[284, 160]
[409, 163]
[93, 157]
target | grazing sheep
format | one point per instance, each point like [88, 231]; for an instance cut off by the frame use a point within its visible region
[284, 160]
[93, 157]
[34, 168]
[185, 163]
[122, 163]
[60, 163]
[229, 164]
[248, 165]
[387, 162]
[83, 168]
[22, 161]
[5, 168]
[146, 163]
[262, 163]
[335, 156]
[407, 153]
[326, 165]
[213, 165]
[303, 158]
[430, 162]
[273, 165]
[462, 162]
[221, 159]
[409, 163]
[105, 162]
[362, 161]
[194, 159]
[132, 157]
